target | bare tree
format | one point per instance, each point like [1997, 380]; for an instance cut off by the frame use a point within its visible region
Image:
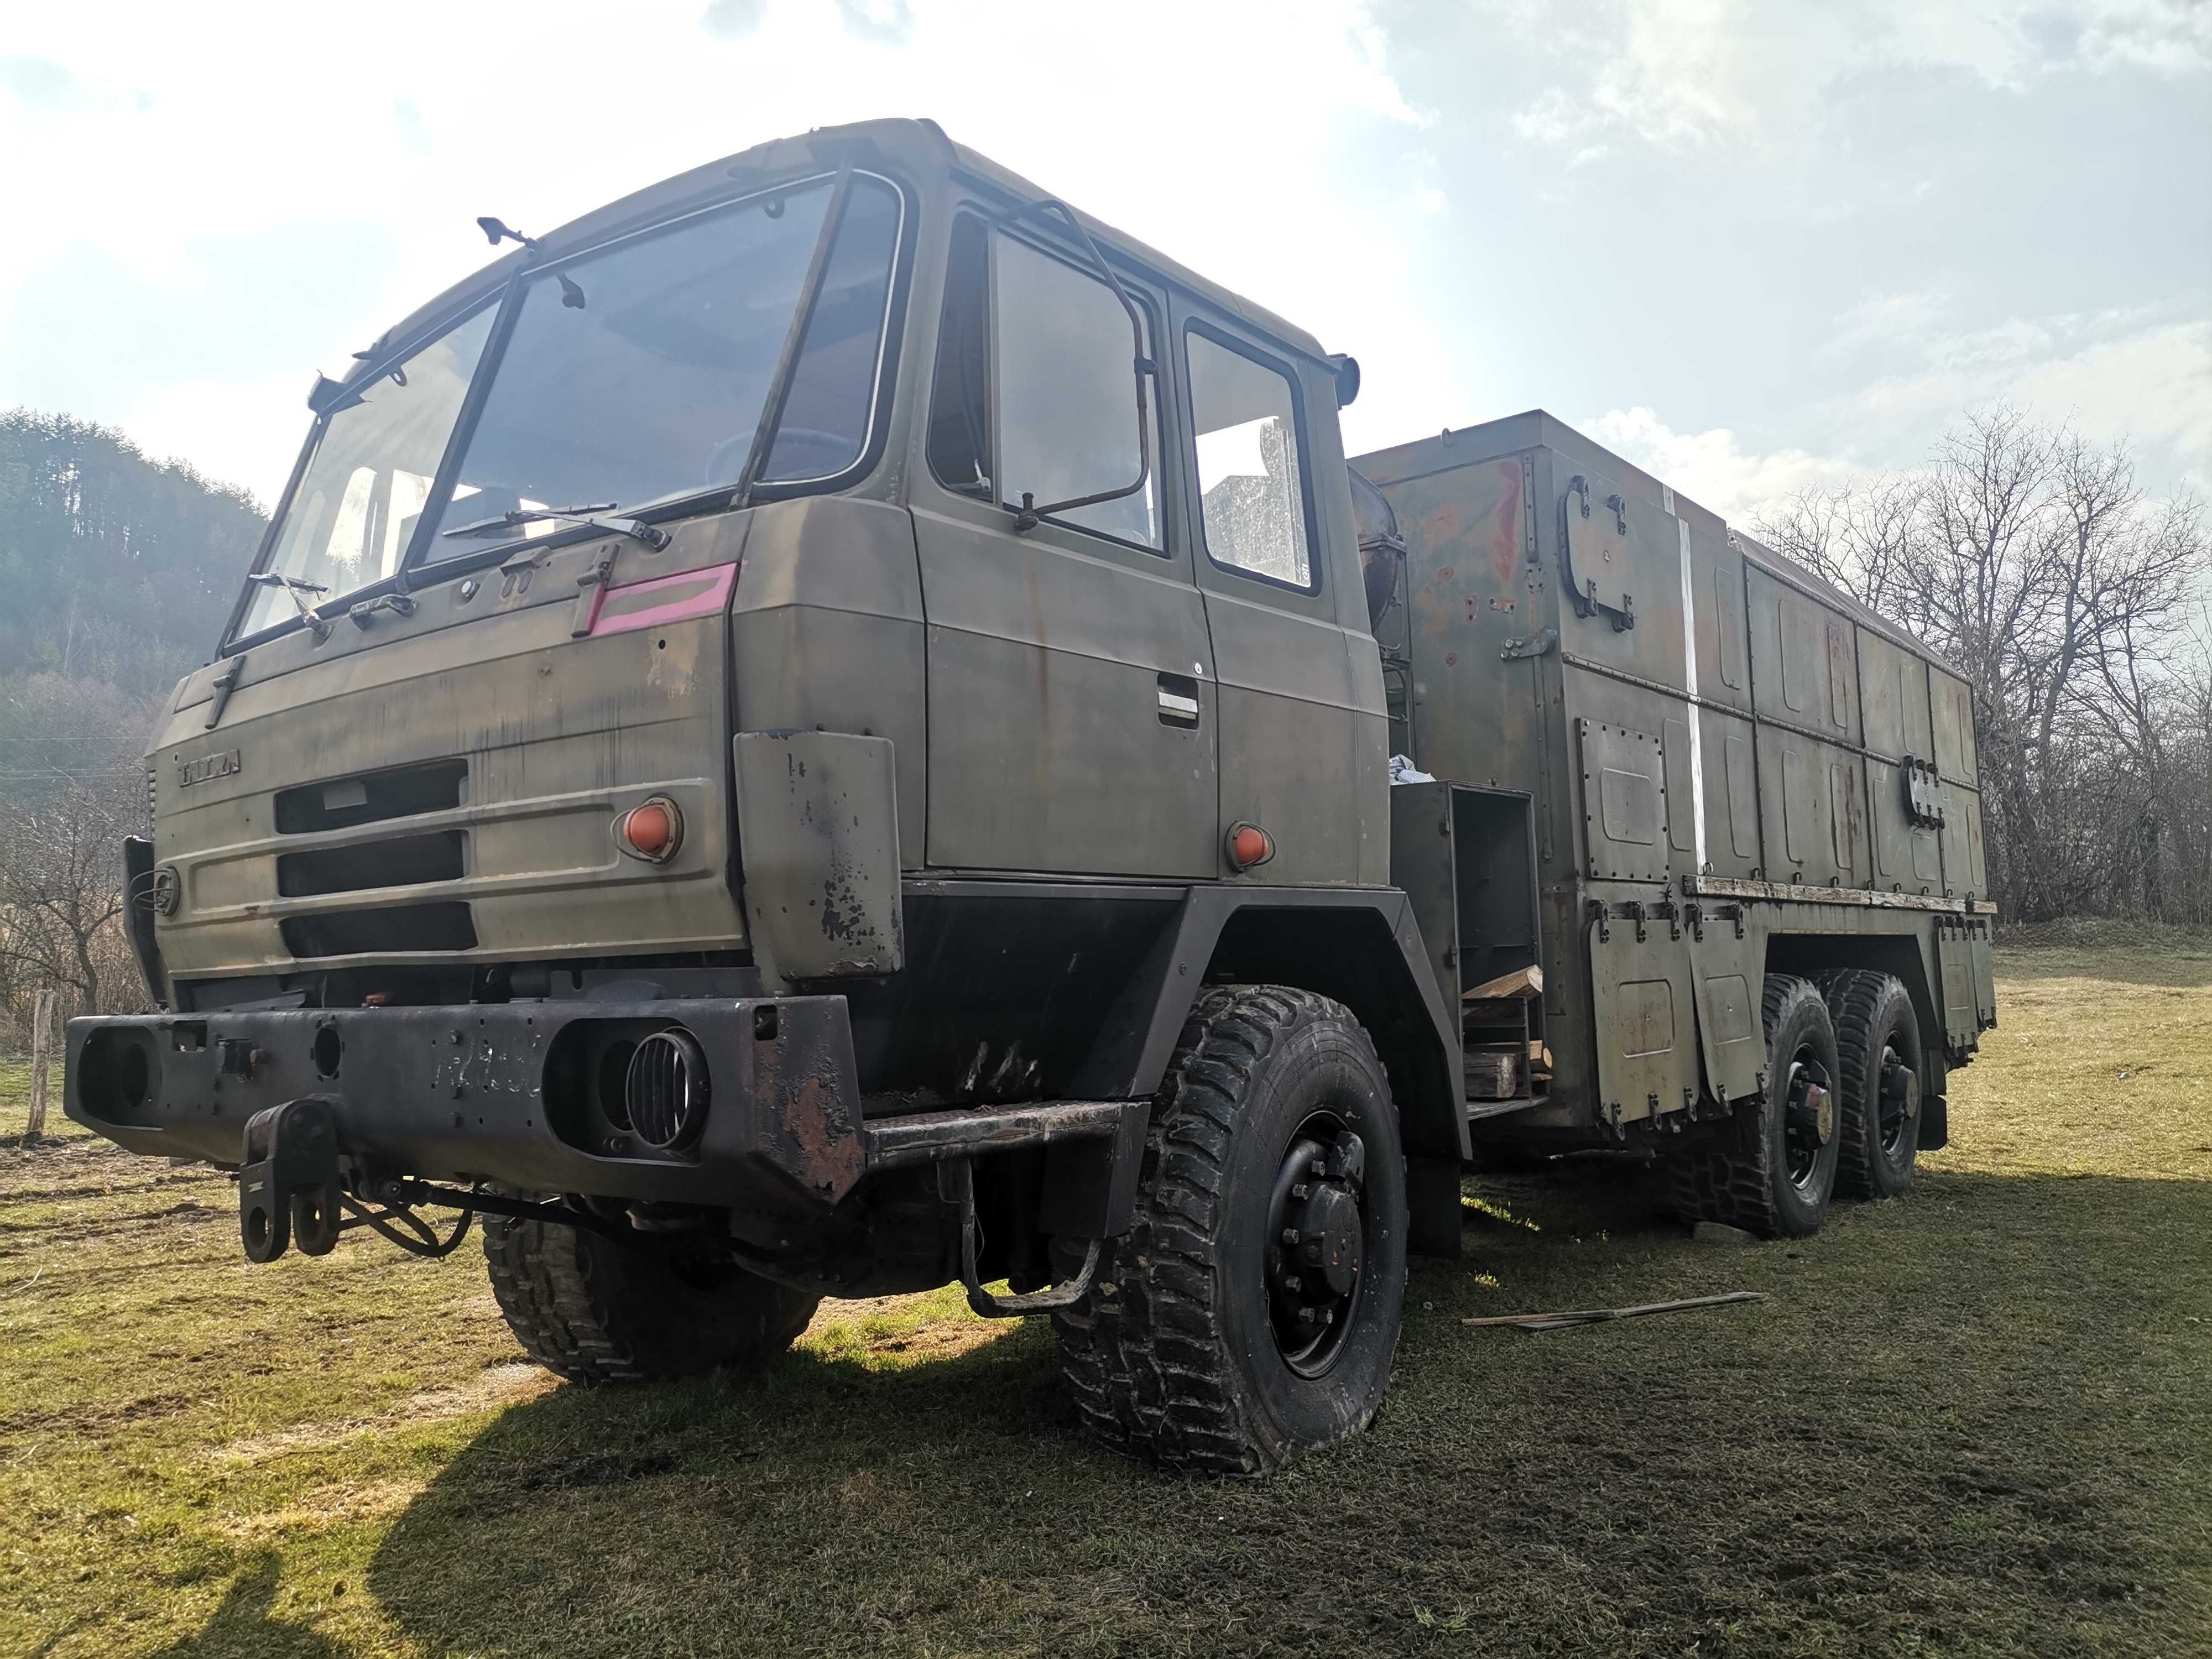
[61, 892]
[2031, 558]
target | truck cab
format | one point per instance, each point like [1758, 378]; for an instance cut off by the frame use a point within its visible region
[754, 719]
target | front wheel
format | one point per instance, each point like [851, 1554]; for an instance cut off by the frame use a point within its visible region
[1252, 1310]
[596, 1311]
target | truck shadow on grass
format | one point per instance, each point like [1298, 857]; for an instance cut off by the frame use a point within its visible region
[1970, 1421]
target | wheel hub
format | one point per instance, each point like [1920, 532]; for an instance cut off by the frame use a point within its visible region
[1900, 1098]
[1808, 1119]
[1318, 1226]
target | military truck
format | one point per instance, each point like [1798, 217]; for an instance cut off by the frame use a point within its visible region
[829, 729]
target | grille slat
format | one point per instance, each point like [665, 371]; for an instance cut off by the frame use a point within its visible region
[403, 861]
[667, 1090]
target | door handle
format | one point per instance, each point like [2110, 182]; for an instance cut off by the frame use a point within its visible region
[1178, 702]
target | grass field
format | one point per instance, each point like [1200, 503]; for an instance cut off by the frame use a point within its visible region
[1977, 1421]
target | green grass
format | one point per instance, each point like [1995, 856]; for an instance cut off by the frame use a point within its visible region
[1972, 1422]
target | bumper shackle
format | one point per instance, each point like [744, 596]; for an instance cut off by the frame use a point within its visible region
[287, 1183]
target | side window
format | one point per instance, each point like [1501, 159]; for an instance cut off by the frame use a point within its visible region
[1065, 413]
[1251, 477]
[960, 396]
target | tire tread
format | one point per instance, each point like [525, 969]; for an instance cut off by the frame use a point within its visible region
[1145, 1356]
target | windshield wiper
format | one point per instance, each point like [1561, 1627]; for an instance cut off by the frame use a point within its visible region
[584, 517]
[317, 623]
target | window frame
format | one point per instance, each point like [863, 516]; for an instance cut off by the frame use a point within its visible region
[963, 213]
[415, 569]
[996, 230]
[1214, 335]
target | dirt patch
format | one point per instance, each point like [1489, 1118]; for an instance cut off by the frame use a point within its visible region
[493, 1388]
[343, 1503]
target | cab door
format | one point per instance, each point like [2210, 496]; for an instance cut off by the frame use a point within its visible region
[1071, 710]
[1304, 728]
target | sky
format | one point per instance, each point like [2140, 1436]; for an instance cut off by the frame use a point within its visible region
[1755, 245]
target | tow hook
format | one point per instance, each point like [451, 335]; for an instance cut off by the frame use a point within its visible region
[287, 1183]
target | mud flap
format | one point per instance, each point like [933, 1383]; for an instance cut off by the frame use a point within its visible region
[287, 1185]
[1935, 1131]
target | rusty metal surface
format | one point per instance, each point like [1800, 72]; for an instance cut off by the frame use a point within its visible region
[1777, 718]
[933, 1137]
[817, 834]
[1789, 893]
[481, 1091]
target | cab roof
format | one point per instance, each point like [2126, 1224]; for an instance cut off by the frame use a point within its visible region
[919, 149]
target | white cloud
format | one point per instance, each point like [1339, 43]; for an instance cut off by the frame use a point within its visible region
[165, 145]
[1678, 74]
[1712, 468]
[2130, 373]
[2150, 385]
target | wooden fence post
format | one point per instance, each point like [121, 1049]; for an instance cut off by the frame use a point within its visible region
[42, 1025]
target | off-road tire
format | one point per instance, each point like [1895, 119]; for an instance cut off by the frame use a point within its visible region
[1739, 1175]
[1171, 1357]
[591, 1311]
[1872, 1011]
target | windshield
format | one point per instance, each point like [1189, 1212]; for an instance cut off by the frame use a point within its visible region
[634, 374]
[352, 517]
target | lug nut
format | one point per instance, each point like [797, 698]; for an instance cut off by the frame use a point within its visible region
[1291, 1236]
[1299, 1190]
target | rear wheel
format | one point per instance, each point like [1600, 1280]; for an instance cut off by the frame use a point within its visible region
[595, 1311]
[1771, 1169]
[1878, 1045]
[1252, 1310]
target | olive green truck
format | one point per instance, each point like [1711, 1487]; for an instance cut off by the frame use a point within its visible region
[836, 727]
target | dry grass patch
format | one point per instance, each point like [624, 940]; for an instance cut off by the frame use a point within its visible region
[1972, 1423]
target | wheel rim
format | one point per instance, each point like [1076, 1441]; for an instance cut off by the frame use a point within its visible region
[1317, 1244]
[1899, 1098]
[1808, 1117]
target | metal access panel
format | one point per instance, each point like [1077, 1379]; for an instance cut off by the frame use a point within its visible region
[1623, 778]
[1600, 573]
[1966, 862]
[1953, 706]
[1727, 966]
[1956, 941]
[1644, 1016]
[1813, 799]
[1802, 667]
[1907, 857]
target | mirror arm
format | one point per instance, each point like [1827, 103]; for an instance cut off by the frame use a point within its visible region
[1031, 513]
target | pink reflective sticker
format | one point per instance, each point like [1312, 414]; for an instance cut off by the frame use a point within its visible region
[664, 599]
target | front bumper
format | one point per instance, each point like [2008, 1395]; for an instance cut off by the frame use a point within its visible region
[523, 1093]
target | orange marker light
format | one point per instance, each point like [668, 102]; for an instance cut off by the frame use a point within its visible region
[652, 831]
[1248, 844]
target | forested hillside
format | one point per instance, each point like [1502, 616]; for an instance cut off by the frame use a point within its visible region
[118, 570]
[117, 573]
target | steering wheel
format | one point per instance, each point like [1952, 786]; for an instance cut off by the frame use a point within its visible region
[834, 449]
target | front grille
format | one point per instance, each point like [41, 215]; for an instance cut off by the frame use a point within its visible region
[403, 861]
[666, 1091]
[370, 797]
[410, 927]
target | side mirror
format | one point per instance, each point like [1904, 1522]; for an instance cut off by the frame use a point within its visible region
[1033, 511]
[1346, 368]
